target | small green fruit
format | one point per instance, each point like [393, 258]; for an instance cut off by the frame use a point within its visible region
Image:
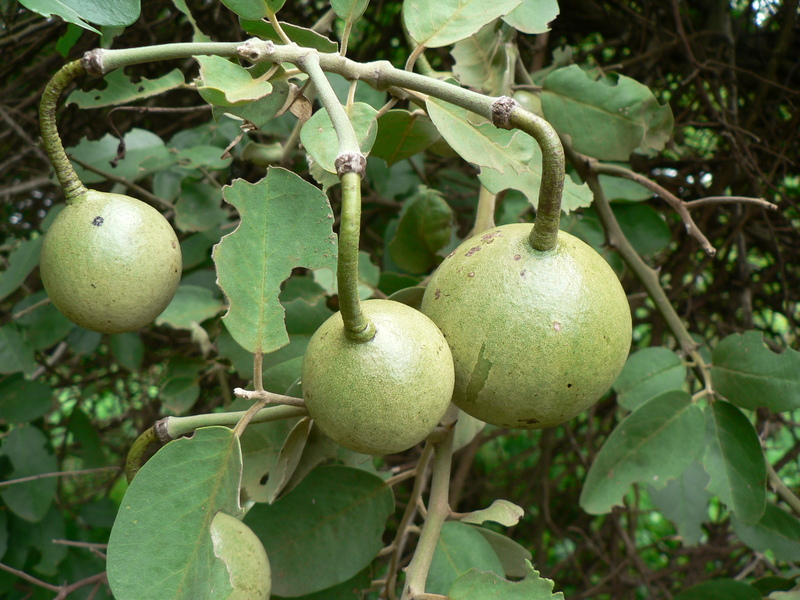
[385, 395]
[244, 556]
[110, 263]
[537, 337]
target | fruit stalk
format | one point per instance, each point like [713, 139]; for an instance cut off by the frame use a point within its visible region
[67, 177]
[350, 165]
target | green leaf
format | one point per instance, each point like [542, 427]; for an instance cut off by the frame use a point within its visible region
[40, 536]
[533, 16]
[120, 89]
[619, 188]
[198, 208]
[480, 60]
[459, 548]
[16, 353]
[777, 532]
[750, 375]
[648, 373]
[654, 444]
[286, 223]
[684, 501]
[190, 306]
[287, 460]
[128, 349]
[145, 153]
[117, 14]
[443, 22]
[735, 461]
[501, 511]
[179, 394]
[44, 326]
[22, 400]
[27, 448]
[324, 531]
[647, 232]
[21, 261]
[198, 35]
[474, 585]
[302, 36]
[512, 555]
[607, 118]
[425, 227]
[319, 137]
[225, 83]
[252, 10]
[349, 10]
[719, 589]
[402, 134]
[160, 546]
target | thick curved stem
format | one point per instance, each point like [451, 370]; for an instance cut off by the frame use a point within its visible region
[67, 177]
[135, 458]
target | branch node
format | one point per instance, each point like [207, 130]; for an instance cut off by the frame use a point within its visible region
[255, 49]
[93, 62]
[351, 162]
[162, 432]
[501, 112]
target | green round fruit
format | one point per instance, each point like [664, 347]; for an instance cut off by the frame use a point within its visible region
[537, 337]
[385, 395]
[244, 557]
[110, 263]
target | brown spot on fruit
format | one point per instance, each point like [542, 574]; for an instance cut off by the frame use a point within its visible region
[557, 326]
[97, 221]
[437, 294]
[517, 257]
[472, 274]
[473, 250]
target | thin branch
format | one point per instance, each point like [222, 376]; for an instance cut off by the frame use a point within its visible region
[128, 184]
[710, 200]
[268, 397]
[55, 474]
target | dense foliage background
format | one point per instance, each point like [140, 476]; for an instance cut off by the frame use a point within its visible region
[729, 72]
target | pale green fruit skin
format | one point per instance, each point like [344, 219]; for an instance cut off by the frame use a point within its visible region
[110, 262]
[385, 395]
[244, 556]
[536, 337]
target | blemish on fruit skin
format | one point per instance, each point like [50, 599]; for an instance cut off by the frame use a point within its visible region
[478, 377]
[473, 250]
[517, 256]
[97, 221]
[174, 244]
[437, 294]
[471, 274]
[489, 237]
[557, 326]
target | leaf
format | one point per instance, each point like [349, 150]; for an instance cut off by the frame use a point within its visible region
[261, 111]
[653, 444]
[319, 137]
[190, 306]
[402, 134]
[16, 353]
[145, 153]
[484, 144]
[443, 22]
[22, 400]
[21, 261]
[225, 83]
[349, 10]
[128, 349]
[117, 14]
[474, 585]
[44, 326]
[533, 16]
[198, 208]
[160, 545]
[286, 222]
[719, 589]
[27, 448]
[302, 36]
[120, 89]
[288, 459]
[179, 394]
[777, 531]
[735, 461]
[40, 536]
[261, 443]
[425, 227]
[684, 501]
[501, 511]
[750, 375]
[646, 374]
[252, 10]
[647, 232]
[480, 60]
[512, 555]
[324, 531]
[459, 548]
[607, 118]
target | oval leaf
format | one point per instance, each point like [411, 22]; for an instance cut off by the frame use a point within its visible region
[750, 375]
[777, 532]
[474, 585]
[28, 450]
[648, 373]
[443, 22]
[319, 137]
[120, 89]
[735, 461]
[459, 548]
[533, 16]
[501, 511]
[720, 589]
[325, 530]
[655, 443]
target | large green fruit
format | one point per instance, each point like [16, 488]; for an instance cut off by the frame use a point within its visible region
[537, 337]
[244, 557]
[384, 395]
[110, 263]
